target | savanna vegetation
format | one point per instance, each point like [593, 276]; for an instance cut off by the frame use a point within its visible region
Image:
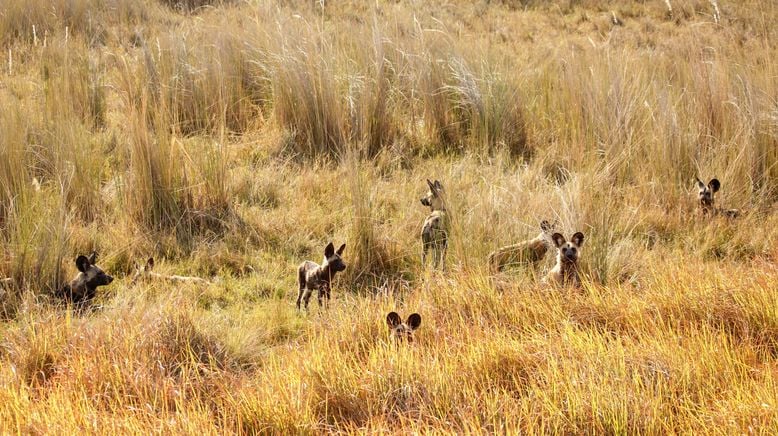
[232, 140]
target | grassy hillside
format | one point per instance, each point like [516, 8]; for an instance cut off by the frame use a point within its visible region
[232, 140]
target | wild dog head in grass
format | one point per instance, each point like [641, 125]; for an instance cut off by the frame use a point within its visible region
[402, 331]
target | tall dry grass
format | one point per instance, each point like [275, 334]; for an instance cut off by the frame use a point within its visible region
[235, 139]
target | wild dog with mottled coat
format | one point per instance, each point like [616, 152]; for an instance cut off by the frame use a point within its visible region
[565, 272]
[315, 277]
[402, 331]
[527, 252]
[707, 199]
[434, 232]
[145, 272]
[83, 289]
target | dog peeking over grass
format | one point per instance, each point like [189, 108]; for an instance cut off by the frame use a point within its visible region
[145, 272]
[314, 277]
[402, 331]
[529, 252]
[565, 272]
[434, 232]
[706, 196]
[82, 290]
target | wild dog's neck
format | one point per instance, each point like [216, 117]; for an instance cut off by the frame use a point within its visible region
[437, 204]
[325, 272]
[568, 269]
[707, 204]
[440, 207]
[565, 263]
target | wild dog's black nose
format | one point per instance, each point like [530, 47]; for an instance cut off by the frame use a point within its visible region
[110, 279]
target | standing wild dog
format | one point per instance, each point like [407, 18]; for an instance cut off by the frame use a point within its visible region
[402, 331]
[565, 272]
[434, 232]
[531, 251]
[707, 199]
[319, 277]
[145, 272]
[83, 289]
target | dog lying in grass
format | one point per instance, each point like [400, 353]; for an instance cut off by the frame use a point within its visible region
[529, 252]
[707, 199]
[146, 272]
[565, 272]
[82, 290]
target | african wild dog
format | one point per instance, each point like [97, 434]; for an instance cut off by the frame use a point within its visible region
[530, 251]
[402, 331]
[434, 232]
[565, 272]
[83, 289]
[145, 272]
[319, 277]
[707, 199]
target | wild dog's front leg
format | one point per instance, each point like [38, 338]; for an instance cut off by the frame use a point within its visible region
[427, 245]
[439, 248]
[324, 296]
[301, 283]
[443, 252]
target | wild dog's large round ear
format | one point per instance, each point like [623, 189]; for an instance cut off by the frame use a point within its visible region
[340, 250]
[430, 184]
[393, 320]
[558, 239]
[577, 239]
[414, 321]
[82, 263]
[438, 185]
[714, 184]
[700, 185]
[329, 250]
